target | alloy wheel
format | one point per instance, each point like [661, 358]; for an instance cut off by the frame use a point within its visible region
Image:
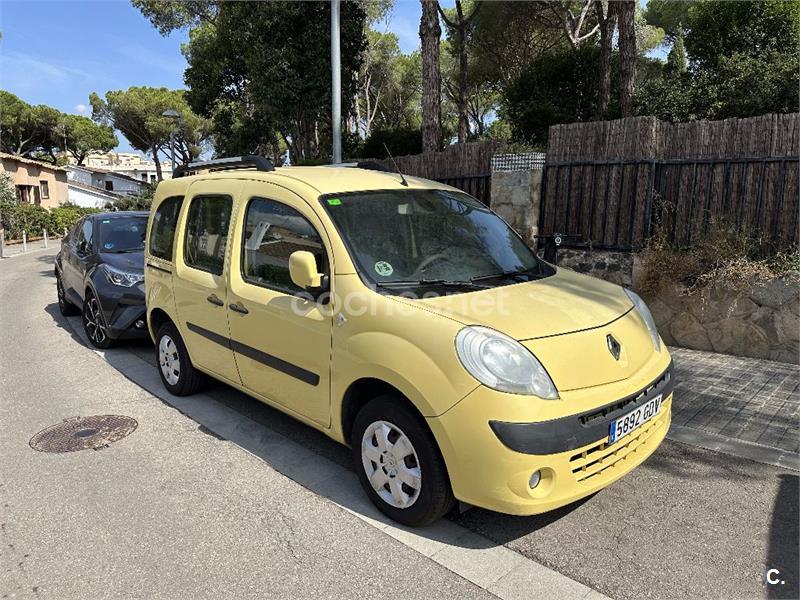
[391, 464]
[168, 360]
[93, 321]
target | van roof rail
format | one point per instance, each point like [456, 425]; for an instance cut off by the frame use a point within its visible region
[228, 162]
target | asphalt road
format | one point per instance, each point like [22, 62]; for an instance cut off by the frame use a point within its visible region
[689, 523]
[170, 511]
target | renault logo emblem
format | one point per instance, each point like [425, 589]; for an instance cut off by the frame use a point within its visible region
[613, 346]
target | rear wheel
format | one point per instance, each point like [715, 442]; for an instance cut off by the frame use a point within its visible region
[174, 365]
[399, 464]
[66, 307]
[94, 323]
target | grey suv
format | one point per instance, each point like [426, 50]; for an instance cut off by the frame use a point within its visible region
[100, 272]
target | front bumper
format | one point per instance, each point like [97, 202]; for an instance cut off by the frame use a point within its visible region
[122, 308]
[491, 449]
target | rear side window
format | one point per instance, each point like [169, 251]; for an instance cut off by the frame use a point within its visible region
[165, 222]
[272, 232]
[207, 232]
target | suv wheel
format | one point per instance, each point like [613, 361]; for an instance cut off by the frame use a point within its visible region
[399, 464]
[94, 323]
[66, 307]
[177, 372]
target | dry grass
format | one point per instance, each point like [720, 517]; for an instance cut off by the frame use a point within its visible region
[725, 256]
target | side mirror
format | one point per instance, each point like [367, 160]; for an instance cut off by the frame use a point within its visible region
[83, 247]
[303, 270]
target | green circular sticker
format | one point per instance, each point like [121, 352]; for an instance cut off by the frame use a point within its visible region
[383, 268]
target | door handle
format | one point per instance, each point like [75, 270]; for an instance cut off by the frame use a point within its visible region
[239, 307]
[214, 300]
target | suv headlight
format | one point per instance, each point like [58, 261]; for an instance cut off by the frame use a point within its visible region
[644, 312]
[122, 278]
[502, 363]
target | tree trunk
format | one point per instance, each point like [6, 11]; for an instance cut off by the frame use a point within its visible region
[607, 24]
[463, 121]
[429, 33]
[627, 54]
[157, 162]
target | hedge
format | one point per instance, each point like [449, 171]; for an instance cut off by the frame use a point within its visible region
[18, 217]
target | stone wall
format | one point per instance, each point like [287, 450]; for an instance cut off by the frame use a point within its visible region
[515, 197]
[616, 267]
[762, 321]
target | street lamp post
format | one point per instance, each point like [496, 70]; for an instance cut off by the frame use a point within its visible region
[336, 81]
[176, 118]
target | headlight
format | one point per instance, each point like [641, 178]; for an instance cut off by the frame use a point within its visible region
[644, 312]
[502, 363]
[122, 278]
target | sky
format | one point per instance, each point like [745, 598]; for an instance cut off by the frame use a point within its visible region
[58, 52]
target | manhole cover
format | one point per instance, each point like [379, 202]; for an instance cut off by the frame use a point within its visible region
[83, 433]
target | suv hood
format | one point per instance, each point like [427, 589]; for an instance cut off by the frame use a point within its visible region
[562, 303]
[125, 261]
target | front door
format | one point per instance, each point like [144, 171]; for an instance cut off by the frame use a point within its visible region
[282, 341]
[199, 283]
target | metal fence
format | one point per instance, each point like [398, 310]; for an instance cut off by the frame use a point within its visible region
[618, 204]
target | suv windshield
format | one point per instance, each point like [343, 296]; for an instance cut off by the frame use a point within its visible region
[122, 234]
[431, 238]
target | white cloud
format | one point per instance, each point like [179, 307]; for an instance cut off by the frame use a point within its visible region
[81, 108]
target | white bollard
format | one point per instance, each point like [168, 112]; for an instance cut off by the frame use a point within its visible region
[2, 242]
[65, 232]
[44, 231]
[24, 242]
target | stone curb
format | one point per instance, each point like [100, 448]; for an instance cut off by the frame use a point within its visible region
[734, 447]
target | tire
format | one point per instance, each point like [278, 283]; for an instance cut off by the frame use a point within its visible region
[94, 323]
[67, 308]
[174, 365]
[386, 417]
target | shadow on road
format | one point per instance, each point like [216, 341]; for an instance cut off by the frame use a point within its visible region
[784, 533]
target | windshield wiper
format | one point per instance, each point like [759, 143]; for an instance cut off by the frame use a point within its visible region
[506, 274]
[420, 282]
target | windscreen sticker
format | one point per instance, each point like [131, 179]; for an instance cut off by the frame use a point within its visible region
[334, 201]
[108, 246]
[106, 220]
[383, 268]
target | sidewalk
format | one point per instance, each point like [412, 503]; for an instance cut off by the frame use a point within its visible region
[16, 249]
[749, 403]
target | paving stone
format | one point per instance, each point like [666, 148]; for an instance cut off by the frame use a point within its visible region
[747, 399]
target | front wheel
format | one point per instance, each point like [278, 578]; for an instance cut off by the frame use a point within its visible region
[174, 365]
[399, 464]
[94, 323]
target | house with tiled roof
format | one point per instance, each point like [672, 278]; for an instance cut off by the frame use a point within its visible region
[35, 182]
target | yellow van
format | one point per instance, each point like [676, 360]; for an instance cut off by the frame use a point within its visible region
[405, 319]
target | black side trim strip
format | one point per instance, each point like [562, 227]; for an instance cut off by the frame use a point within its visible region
[276, 363]
[266, 359]
[214, 337]
[157, 268]
[574, 431]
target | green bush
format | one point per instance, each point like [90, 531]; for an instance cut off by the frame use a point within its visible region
[400, 141]
[18, 217]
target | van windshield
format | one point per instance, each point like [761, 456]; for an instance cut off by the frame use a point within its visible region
[432, 239]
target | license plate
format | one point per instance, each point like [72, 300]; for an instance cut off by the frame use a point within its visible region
[623, 426]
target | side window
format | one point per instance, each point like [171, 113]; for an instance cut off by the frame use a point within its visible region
[74, 235]
[162, 232]
[86, 232]
[207, 232]
[272, 231]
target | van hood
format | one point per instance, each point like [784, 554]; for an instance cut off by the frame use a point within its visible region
[562, 303]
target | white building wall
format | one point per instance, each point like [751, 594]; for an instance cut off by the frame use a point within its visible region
[86, 199]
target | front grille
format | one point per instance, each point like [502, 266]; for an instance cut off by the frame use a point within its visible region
[620, 406]
[604, 461]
